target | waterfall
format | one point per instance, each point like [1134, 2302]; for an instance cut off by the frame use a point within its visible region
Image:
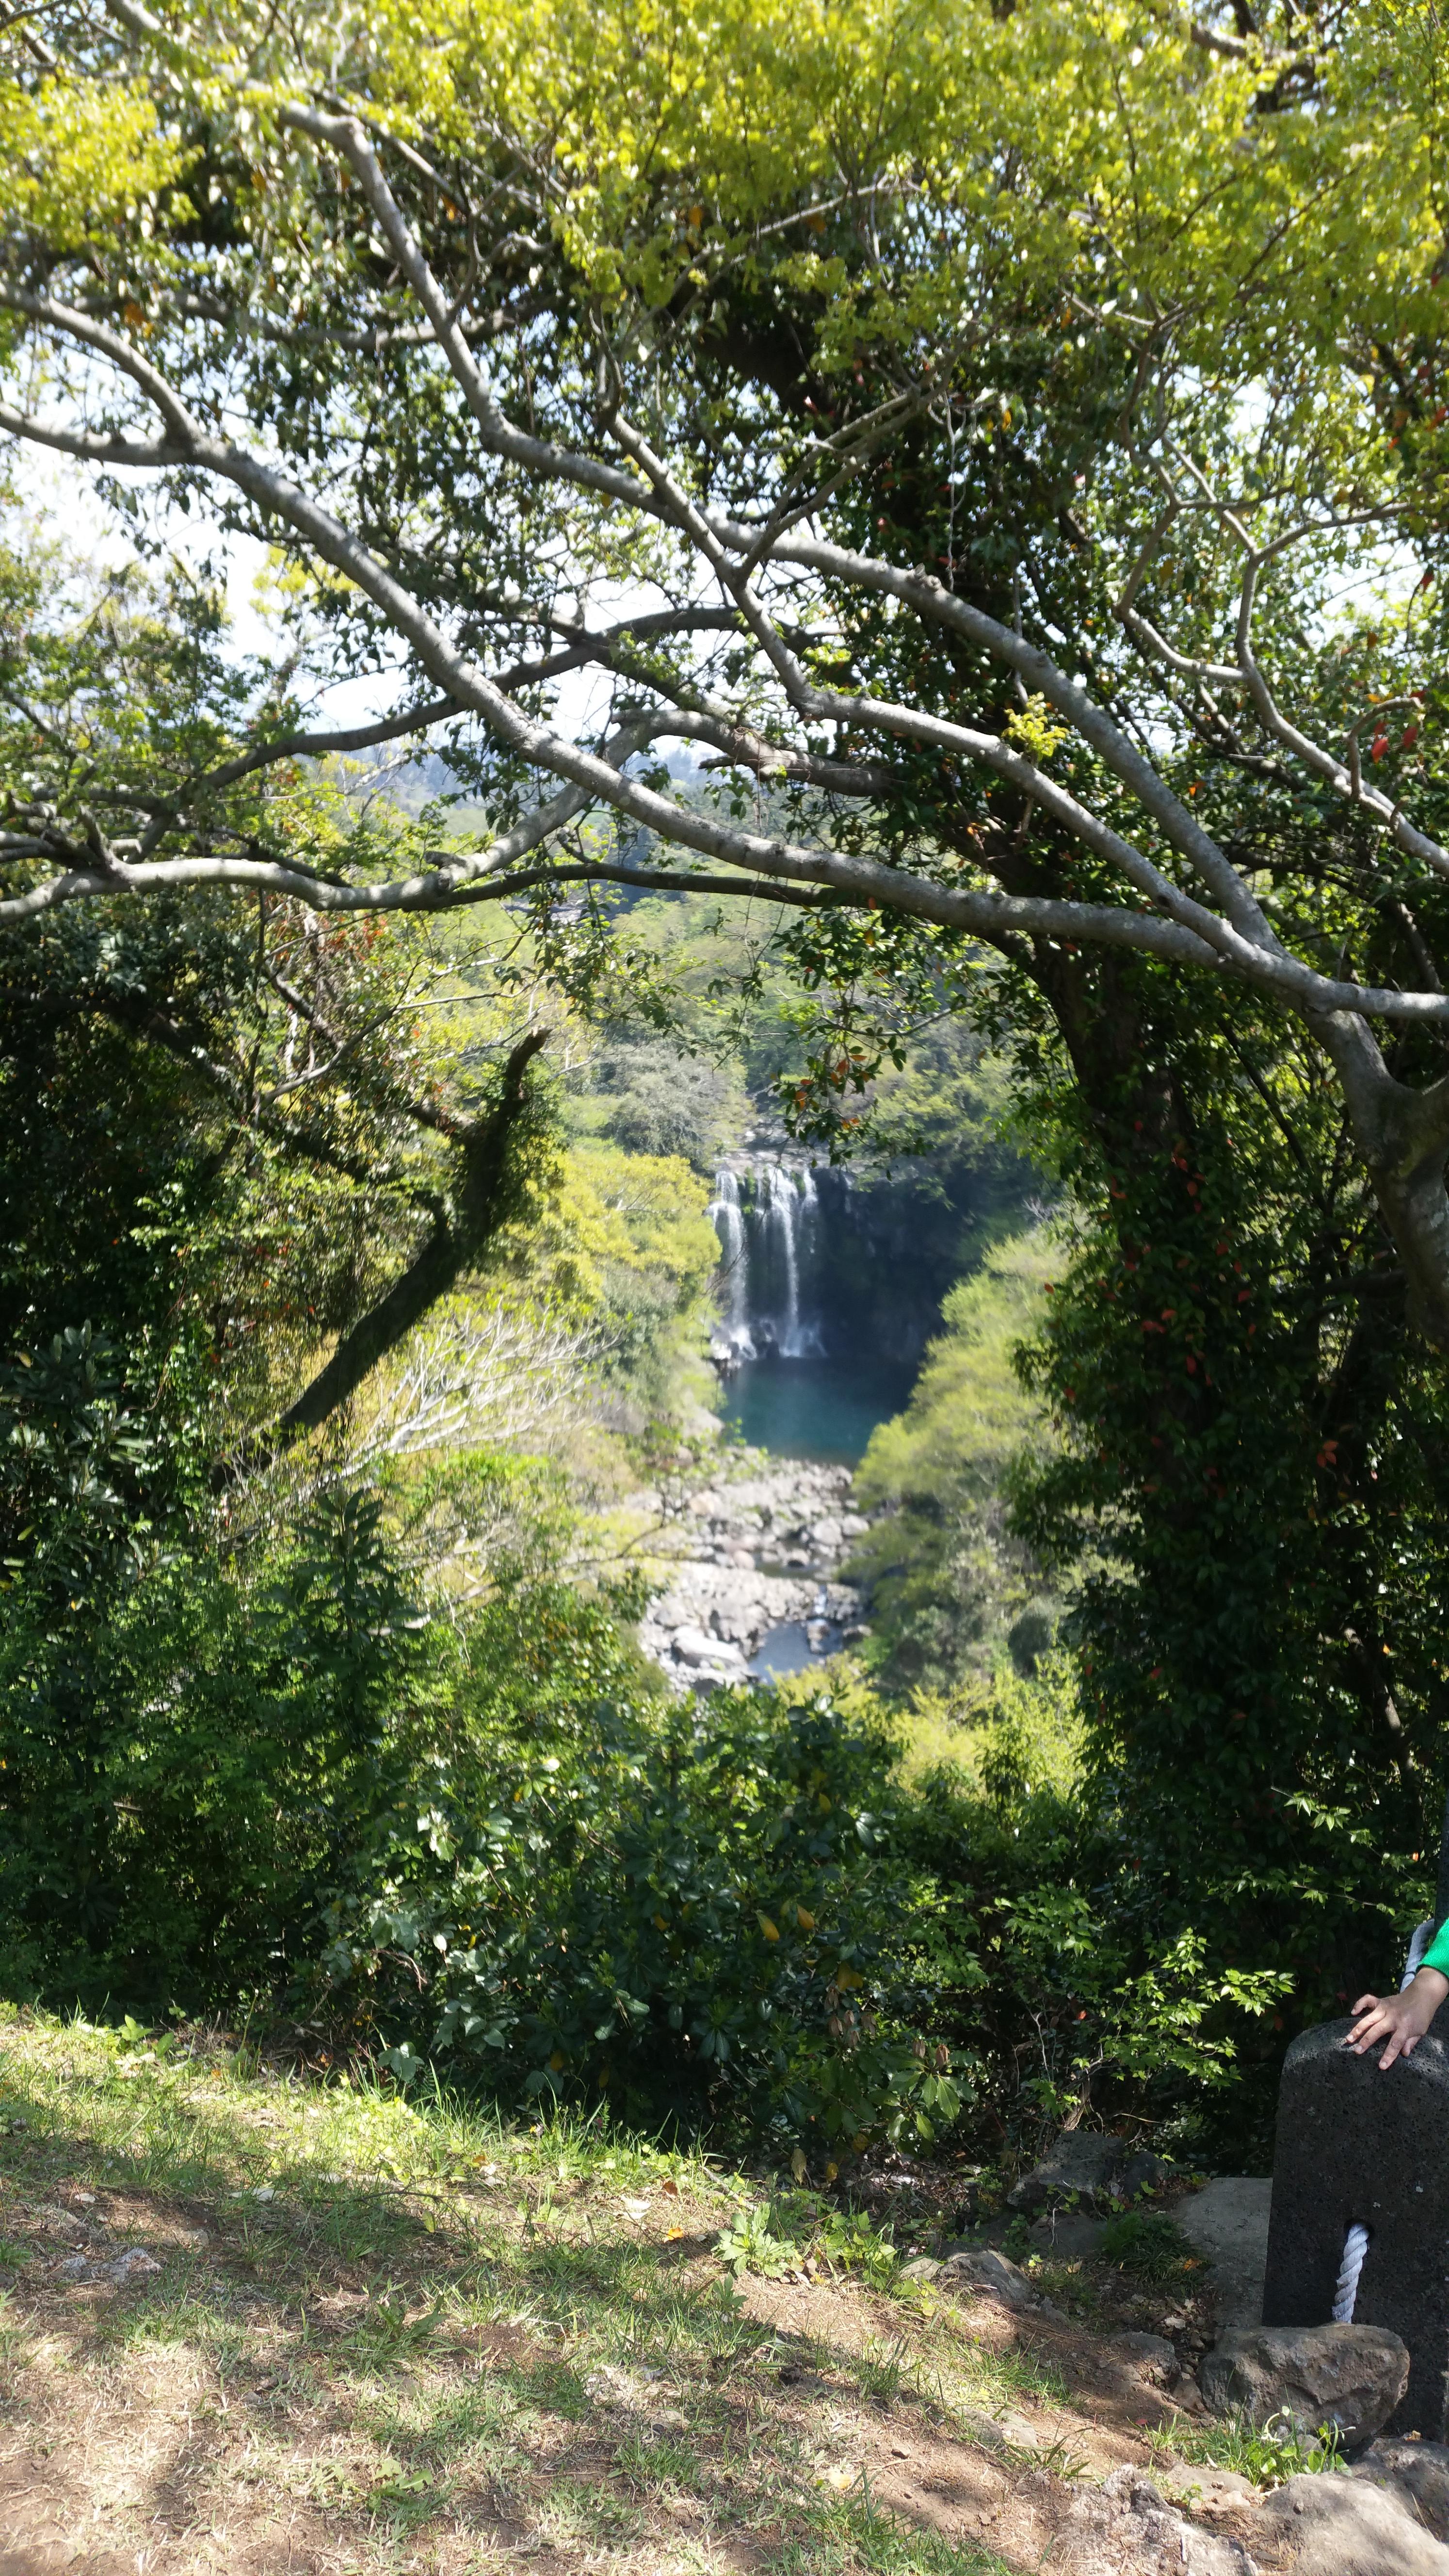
[767, 1244]
[785, 1214]
[733, 1339]
[795, 1211]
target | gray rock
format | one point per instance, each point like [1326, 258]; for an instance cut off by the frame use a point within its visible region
[1144, 2172]
[1227, 2221]
[1337, 2526]
[1359, 2147]
[1067, 2233]
[1126, 2524]
[1005, 2432]
[1212, 2490]
[1417, 2473]
[693, 1645]
[134, 2265]
[920, 2268]
[1151, 2356]
[1352, 2376]
[1082, 2161]
[994, 2273]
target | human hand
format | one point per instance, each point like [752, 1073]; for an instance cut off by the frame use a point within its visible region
[1400, 2019]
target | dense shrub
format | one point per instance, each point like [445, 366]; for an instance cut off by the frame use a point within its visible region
[281, 1777]
[950, 1588]
[188, 1753]
[1252, 1482]
[1061, 1993]
[276, 1772]
[694, 1913]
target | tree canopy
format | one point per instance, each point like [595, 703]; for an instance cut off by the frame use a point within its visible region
[1009, 447]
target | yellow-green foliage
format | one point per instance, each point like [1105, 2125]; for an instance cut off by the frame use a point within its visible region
[947, 1580]
[1011, 1732]
[968, 1412]
[629, 1247]
[667, 141]
[1005, 1732]
[79, 155]
[1045, 130]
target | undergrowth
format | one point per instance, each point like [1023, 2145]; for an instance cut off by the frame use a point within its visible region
[1268, 2454]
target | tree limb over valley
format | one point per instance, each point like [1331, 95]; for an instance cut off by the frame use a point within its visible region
[992, 480]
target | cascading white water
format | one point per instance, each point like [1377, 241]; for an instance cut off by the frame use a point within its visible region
[764, 1246]
[733, 1338]
[795, 1210]
[785, 1215]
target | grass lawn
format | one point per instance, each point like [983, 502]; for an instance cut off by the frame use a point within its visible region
[256, 2321]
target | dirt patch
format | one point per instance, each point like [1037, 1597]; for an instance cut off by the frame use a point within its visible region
[376, 2340]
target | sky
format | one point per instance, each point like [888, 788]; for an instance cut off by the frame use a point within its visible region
[61, 490]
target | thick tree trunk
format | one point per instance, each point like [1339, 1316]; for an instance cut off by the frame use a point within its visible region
[1403, 1136]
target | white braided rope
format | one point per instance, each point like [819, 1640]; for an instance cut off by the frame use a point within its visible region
[1356, 2242]
[1345, 2294]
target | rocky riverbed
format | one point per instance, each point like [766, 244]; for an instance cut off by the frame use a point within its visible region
[753, 1563]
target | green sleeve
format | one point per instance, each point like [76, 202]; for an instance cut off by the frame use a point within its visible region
[1437, 1954]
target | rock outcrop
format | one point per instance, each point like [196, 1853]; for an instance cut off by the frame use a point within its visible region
[1126, 2525]
[1320, 2376]
[1090, 2169]
[1417, 2473]
[748, 1554]
[1336, 2526]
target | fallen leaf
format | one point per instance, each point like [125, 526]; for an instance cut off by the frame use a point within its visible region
[635, 2208]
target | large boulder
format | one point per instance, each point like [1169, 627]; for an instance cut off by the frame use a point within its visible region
[1417, 2473]
[1094, 2170]
[1337, 2526]
[1143, 2171]
[1067, 2233]
[1349, 2376]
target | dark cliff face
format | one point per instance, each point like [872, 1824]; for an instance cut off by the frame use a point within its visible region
[818, 1265]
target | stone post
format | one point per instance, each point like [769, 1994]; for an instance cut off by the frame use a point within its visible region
[1359, 2147]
